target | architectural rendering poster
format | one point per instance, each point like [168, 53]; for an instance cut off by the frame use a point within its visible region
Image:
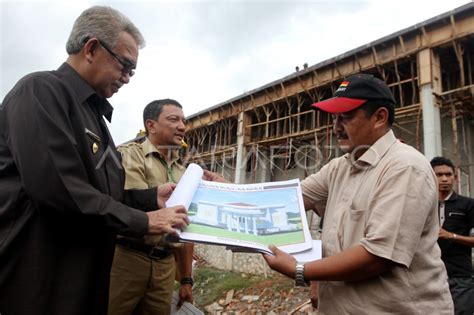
[243, 217]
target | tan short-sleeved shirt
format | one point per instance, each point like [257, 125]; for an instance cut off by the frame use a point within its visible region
[145, 167]
[385, 201]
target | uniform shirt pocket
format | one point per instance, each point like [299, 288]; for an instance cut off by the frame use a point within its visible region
[94, 146]
[456, 222]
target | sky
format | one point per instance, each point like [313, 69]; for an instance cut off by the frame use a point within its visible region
[202, 53]
[277, 197]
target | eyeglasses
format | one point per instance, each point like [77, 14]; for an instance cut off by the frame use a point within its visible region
[127, 66]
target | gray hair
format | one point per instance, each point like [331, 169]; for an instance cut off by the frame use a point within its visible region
[102, 22]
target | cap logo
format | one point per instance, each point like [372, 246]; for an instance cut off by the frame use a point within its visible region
[343, 86]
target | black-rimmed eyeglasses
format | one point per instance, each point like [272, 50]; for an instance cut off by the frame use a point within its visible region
[127, 66]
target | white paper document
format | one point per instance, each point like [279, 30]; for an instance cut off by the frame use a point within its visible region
[185, 309]
[311, 254]
[248, 217]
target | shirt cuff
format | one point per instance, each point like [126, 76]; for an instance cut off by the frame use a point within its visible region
[138, 225]
[142, 199]
[392, 254]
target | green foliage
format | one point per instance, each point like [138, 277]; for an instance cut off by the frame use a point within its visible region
[211, 284]
[278, 239]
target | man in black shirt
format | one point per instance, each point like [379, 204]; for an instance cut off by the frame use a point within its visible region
[61, 180]
[455, 240]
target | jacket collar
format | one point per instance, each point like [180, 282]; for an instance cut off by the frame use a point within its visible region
[453, 196]
[150, 148]
[84, 91]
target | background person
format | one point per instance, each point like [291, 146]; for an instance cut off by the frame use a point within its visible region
[60, 177]
[143, 272]
[380, 214]
[456, 215]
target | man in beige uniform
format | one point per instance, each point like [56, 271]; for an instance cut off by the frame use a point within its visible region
[379, 203]
[143, 272]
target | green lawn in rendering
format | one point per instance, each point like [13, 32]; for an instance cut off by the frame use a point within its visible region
[276, 239]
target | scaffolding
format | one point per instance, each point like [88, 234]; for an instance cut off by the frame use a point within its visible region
[272, 133]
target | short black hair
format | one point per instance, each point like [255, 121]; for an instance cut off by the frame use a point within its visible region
[371, 106]
[440, 160]
[154, 109]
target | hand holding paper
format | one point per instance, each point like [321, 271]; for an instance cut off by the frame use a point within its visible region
[163, 193]
[184, 191]
[245, 216]
[185, 309]
[213, 177]
[185, 295]
[167, 220]
[282, 262]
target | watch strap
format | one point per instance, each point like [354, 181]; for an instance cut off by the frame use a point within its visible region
[187, 280]
[299, 275]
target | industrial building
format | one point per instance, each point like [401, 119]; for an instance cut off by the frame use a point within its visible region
[272, 133]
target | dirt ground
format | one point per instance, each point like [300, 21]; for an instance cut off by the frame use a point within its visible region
[275, 295]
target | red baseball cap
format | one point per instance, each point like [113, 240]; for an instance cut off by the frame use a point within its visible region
[354, 92]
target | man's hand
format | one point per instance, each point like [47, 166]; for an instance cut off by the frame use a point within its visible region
[184, 265]
[185, 294]
[281, 262]
[213, 177]
[167, 220]
[163, 193]
[445, 235]
[459, 239]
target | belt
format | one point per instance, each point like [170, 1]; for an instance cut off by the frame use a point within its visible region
[146, 249]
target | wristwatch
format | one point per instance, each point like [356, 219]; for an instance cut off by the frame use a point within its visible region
[187, 280]
[299, 275]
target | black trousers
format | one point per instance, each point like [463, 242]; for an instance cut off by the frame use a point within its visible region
[462, 291]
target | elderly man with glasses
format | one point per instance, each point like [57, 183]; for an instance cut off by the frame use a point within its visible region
[128, 67]
[62, 200]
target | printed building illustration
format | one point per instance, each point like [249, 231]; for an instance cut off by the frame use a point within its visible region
[244, 218]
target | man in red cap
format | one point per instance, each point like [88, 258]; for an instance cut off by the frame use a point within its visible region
[379, 202]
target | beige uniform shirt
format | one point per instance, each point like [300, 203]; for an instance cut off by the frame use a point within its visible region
[145, 167]
[387, 202]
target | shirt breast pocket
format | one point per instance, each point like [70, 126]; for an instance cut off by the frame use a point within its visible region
[94, 146]
[354, 227]
[456, 222]
[456, 219]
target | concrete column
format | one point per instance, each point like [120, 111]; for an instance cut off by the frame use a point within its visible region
[229, 222]
[243, 136]
[431, 123]
[429, 78]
